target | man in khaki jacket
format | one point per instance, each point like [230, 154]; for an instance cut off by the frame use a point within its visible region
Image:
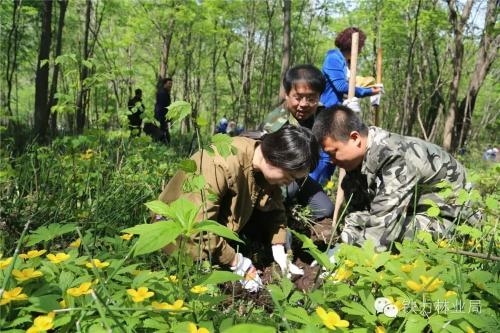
[248, 180]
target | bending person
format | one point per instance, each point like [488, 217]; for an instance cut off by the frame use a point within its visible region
[244, 184]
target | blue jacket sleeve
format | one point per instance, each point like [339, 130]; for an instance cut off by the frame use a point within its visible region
[362, 92]
[324, 170]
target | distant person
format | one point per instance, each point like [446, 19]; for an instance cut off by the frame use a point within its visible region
[335, 68]
[136, 108]
[222, 126]
[231, 128]
[162, 102]
[490, 154]
[393, 180]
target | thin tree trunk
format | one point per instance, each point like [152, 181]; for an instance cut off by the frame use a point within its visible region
[42, 74]
[488, 49]
[84, 73]
[63, 5]
[165, 53]
[458, 22]
[287, 48]
[12, 45]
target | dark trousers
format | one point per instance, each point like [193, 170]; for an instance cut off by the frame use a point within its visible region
[311, 194]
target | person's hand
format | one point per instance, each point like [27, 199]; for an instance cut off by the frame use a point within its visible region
[281, 259]
[353, 104]
[377, 91]
[243, 267]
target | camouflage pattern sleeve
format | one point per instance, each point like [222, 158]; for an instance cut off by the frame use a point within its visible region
[383, 222]
[275, 120]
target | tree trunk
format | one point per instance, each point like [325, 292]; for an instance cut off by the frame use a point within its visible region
[488, 49]
[458, 22]
[285, 62]
[81, 101]
[42, 74]
[167, 40]
[12, 45]
[63, 5]
[408, 116]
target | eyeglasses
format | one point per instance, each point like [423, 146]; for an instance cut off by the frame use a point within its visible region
[310, 100]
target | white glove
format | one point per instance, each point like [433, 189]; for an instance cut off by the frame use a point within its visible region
[353, 104]
[281, 259]
[375, 99]
[251, 281]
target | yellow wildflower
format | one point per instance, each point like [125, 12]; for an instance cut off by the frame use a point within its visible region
[172, 278]
[469, 330]
[13, 295]
[26, 274]
[408, 267]
[340, 275]
[176, 306]
[87, 155]
[42, 323]
[140, 294]
[379, 329]
[443, 243]
[75, 244]
[396, 302]
[415, 286]
[32, 254]
[83, 289]
[331, 319]
[371, 262]
[5, 263]
[97, 264]
[450, 293]
[395, 256]
[199, 289]
[349, 263]
[58, 257]
[329, 185]
[127, 237]
[192, 328]
[63, 304]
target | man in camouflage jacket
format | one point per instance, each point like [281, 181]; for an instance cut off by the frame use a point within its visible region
[391, 180]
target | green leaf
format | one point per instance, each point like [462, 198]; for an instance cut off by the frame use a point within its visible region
[217, 277]
[298, 315]
[223, 144]
[188, 166]
[216, 228]
[154, 236]
[158, 207]
[433, 211]
[178, 110]
[415, 324]
[254, 328]
[44, 303]
[429, 202]
[44, 62]
[157, 323]
[491, 203]
[202, 120]
[47, 233]
[195, 183]
[276, 293]
[19, 321]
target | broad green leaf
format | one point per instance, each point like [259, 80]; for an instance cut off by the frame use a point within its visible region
[156, 323]
[45, 303]
[157, 207]
[313, 250]
[491, 202]
[470, 231]
[47, 233]
[433, 211]
[216, 228]
[429, 202]
[195, 183]
[154, 236]
[254, 328]
[178, 110]
[183, 211]
[223, 144]
[415, 324]
[298, 315]
[19, 321]
[276, 293]
[188, 166]
[202, 120]
[217, 277]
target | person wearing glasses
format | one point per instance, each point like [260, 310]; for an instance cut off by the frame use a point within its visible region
[246, 191]
[303, 85]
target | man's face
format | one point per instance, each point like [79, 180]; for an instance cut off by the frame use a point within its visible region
[346, 154]
[302, 101]
[277, 176]
[168, 85]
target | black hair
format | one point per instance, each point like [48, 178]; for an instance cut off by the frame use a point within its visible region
[138, 92]
[161, 83]
[337, 122]
[291, 148]
[308, 74]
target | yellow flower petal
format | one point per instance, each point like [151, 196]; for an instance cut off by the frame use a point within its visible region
[5, 263]
[58, 257]
[26, 274]
[75, 244]
[127, 237]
